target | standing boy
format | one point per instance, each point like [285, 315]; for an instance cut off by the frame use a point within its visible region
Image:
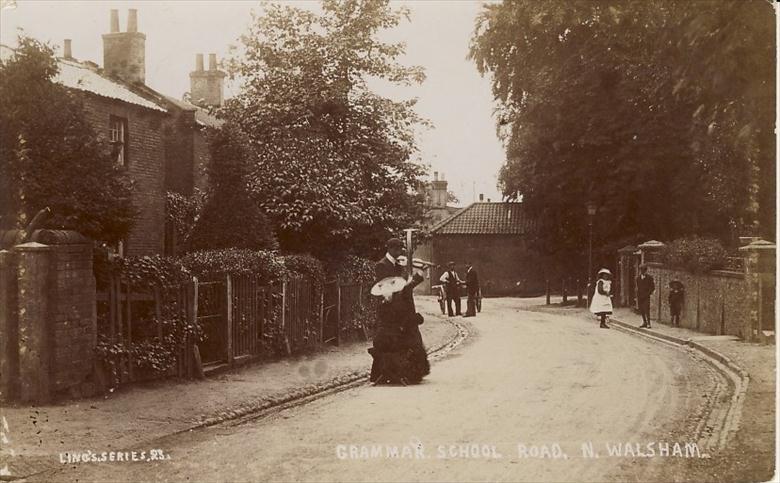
[676, 298]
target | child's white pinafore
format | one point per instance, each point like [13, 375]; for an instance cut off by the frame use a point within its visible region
[602, 303]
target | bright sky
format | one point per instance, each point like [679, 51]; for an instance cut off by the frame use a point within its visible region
[462, 144]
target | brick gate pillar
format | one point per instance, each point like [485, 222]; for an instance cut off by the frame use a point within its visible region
[9, 328]
[760, 263]
[48, 326]
[34, 316]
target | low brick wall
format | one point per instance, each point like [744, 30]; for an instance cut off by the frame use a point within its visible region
[717, 303]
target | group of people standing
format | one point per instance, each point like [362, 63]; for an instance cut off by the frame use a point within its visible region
[601, 303]
[398, 350]
[452, 284]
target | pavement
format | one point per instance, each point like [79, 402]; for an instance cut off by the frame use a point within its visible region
[34, 437]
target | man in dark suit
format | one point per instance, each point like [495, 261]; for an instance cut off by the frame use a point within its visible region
[472, 289]
[645, 286]
[397, 323]
[452, 285]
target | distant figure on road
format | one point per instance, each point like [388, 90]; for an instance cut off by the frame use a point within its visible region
[452, 285]
[676, 299]
[398, 351]
[601, 304]
[645, 286]
[472, 289]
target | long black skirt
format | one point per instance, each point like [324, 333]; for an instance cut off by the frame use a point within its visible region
[399, 356]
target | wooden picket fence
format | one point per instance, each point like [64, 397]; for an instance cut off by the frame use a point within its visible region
[242, 318]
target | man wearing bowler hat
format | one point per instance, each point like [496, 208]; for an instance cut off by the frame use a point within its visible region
[472, 290]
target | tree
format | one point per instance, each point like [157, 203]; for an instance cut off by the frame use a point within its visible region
[51, 157]
[230, 217]
[642, 105]
[335, 168]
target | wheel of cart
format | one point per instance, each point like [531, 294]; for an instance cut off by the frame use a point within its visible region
[439, 291]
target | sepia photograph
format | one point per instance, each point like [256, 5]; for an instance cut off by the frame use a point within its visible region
[388, 240]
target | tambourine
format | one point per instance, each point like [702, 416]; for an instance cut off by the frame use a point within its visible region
[388, 286]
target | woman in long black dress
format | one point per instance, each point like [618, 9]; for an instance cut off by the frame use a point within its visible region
[399, 353]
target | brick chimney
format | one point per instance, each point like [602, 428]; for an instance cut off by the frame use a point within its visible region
[124, 53]
[207, 87]
[67, 52]
[438, 191]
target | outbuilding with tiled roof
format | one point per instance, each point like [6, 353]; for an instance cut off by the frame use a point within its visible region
[494, 237]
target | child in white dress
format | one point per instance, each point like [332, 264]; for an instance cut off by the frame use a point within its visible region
[601, 304]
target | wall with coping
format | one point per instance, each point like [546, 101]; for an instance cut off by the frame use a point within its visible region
[716, 303]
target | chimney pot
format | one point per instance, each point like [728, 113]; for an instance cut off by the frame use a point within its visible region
[436, 176]
[66, 49]
[132, 20]
[114, 21]
[442, 175]
[207, 86]
[124, 53]
[481, 197]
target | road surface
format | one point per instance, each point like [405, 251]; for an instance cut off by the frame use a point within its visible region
[526, 398]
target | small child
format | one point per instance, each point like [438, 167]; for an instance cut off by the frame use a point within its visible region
[601, 304]
[676, 299]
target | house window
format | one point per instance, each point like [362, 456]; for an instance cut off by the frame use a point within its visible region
[118, 131]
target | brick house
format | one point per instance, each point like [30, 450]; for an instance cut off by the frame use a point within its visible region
[493, 237]
[159, 140]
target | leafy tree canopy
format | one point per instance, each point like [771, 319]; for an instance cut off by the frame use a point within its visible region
[335, 169]
[51, 157]
[662, 112]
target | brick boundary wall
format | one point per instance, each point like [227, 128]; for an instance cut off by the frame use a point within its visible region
[721, 302]
[717, 303]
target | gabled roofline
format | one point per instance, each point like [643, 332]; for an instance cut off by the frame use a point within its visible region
[437, 227]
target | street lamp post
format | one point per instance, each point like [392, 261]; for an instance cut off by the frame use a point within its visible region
[591, 207]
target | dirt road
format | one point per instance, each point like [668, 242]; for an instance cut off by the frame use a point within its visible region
[525, 399]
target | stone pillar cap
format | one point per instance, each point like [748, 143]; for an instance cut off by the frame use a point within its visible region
[652, 244]
[31, 246]
[758, 245]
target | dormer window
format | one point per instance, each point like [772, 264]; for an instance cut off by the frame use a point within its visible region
[118, 135]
